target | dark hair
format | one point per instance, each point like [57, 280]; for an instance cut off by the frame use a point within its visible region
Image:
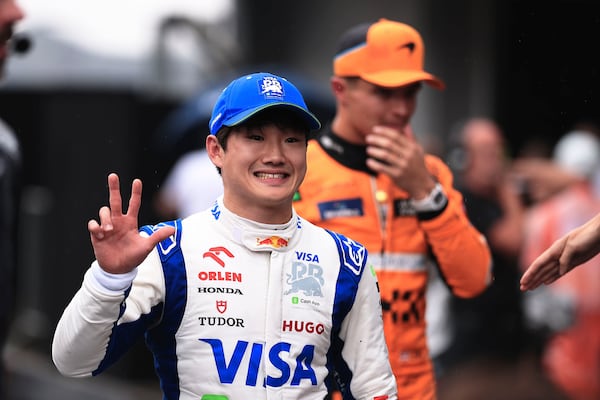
[283, 118]
[353, 37]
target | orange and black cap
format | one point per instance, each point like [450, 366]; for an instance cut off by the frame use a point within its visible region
[385, 53]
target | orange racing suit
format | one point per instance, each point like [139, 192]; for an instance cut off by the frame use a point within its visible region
[340, 193]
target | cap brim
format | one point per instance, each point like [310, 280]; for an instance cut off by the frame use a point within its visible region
[396, 78]
[312, 121]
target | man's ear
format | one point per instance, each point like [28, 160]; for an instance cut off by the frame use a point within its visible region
[337, 85]
[214, 150]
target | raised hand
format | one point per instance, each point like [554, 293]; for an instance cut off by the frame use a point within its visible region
[398, 155]
[118, 246]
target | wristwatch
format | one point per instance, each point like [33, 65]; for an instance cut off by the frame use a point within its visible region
[436, 200]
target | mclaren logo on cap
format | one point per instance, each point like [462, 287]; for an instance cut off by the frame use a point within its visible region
[270, 87]
[410, 46]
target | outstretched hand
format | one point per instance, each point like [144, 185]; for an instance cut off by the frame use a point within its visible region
[546, 268]
[568, 252]
[118, 246]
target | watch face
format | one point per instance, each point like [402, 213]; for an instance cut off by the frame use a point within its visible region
[434, 202]
[438, 198]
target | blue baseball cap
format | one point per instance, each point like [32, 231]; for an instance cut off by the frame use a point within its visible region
[250, 94]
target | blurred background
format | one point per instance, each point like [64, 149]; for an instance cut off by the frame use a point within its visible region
[128, 86]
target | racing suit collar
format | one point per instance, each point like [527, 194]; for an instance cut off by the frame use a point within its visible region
[349, 155]
[258, 236]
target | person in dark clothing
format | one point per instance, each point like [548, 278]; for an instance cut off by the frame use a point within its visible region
[10, 14]
[492, 324]
[493, 352]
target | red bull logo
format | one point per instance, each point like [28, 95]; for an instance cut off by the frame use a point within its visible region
[272, 241]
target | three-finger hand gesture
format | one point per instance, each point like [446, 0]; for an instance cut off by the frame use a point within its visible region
[118, 246]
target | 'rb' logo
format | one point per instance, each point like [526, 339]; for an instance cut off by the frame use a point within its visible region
[305, 278]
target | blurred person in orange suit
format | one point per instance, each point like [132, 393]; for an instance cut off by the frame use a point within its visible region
[369, 178]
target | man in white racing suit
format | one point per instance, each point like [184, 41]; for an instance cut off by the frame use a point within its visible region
[246, 300]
